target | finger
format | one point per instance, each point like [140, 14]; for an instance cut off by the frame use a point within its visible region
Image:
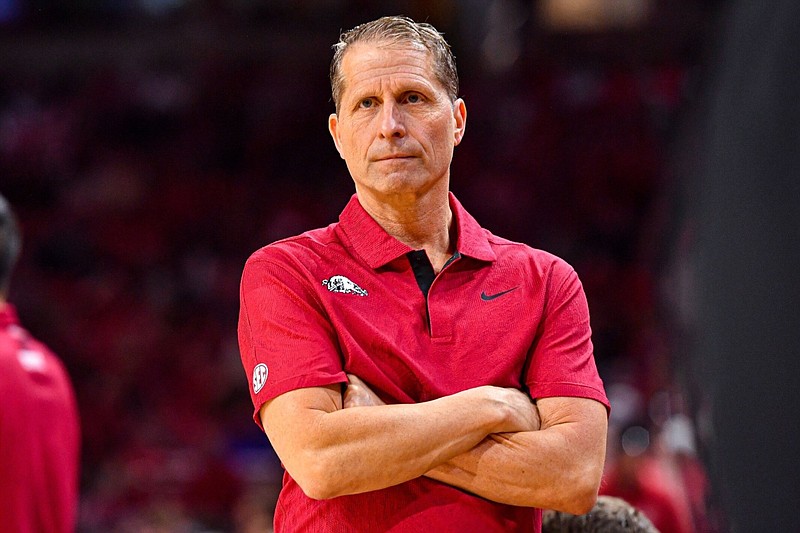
[354, 380]
[353, 397]
[348, 400]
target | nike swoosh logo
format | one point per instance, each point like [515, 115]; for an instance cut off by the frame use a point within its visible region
[486, 297]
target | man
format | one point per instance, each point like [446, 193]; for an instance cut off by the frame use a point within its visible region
[442, 329]
[39, 430]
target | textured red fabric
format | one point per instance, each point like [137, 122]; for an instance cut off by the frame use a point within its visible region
[345, 299]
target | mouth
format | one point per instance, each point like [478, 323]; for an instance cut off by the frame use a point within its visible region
[394, 157]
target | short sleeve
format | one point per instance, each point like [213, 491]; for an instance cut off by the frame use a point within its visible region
[286, 341]
[561, 361]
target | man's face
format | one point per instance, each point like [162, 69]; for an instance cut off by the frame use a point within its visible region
[396, 127]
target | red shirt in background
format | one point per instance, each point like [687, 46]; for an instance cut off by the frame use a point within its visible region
[39, 435]
[646, 483]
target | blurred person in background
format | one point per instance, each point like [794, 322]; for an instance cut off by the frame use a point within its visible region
[39, 424]
[637, 474]
[473, 397]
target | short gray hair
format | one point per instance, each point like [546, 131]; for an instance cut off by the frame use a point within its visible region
[397, 29]
[609, 515]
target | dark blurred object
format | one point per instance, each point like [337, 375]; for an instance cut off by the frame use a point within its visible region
[745, 194]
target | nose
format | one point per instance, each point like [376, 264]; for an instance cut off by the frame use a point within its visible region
[392, 124]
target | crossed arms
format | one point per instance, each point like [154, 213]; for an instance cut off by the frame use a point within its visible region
[490, 441]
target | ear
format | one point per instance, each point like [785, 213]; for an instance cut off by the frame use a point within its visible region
[333, 128]
[459, 120]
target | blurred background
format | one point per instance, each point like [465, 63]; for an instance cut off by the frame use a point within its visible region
[149, 146]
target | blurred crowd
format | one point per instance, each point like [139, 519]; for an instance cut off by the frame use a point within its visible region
[143, 185]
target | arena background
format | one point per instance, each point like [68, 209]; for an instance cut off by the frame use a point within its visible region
[150, 146]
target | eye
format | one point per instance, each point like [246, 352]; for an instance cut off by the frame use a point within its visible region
[413, 98]
[366, 103]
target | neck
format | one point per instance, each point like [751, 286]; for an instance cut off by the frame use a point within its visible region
[421, 222]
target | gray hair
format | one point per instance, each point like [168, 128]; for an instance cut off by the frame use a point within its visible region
[609, 515]
[397, 30]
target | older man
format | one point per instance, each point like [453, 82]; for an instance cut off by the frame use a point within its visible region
[411, 369]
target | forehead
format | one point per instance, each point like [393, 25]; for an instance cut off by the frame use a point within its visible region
[373, 63]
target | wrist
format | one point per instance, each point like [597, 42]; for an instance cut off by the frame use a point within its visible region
[489, 405]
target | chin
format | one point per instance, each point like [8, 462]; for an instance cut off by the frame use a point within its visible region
[403, 186]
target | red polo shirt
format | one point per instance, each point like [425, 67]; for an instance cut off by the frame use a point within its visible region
[351, 298]
[39, 435]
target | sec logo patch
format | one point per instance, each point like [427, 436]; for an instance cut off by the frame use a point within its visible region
[260, 373]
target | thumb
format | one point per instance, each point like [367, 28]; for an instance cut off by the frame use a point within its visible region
[354, 380]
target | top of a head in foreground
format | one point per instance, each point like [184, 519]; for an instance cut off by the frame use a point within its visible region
[609, 515]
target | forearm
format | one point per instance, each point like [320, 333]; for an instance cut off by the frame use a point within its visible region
[555, 468]
[501, 469]
[368, 448]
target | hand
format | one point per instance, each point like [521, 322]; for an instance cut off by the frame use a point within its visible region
[521, 414]
[357, 394]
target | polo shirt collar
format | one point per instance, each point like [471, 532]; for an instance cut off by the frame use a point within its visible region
[472, 241]
[377, 248]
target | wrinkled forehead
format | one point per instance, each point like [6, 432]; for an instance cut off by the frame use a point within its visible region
[372, 60]
[362, 52]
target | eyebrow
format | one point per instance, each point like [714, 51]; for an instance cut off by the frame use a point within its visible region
[425, 88]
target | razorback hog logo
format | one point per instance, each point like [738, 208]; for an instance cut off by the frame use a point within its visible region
[343, 285]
